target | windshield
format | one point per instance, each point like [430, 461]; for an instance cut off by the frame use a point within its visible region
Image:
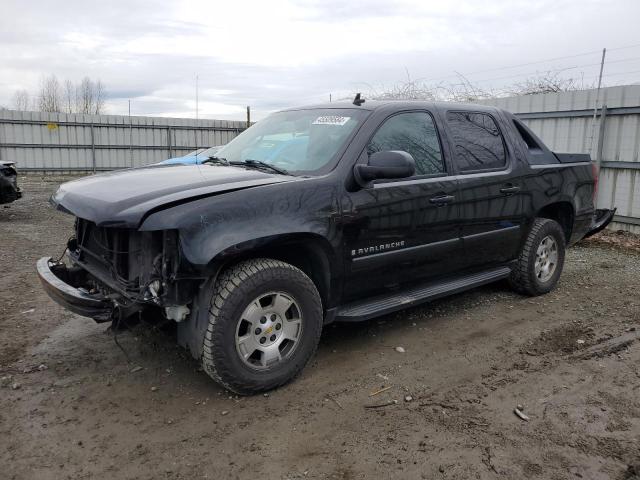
[206, 152]
[299, 142]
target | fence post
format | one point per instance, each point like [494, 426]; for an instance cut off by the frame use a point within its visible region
[93, 150]
[248, 116]
[603, 118]
[169, 141]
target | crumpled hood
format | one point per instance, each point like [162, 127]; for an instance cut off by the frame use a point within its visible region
[123, 198]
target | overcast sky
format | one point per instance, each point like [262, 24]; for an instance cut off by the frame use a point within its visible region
[276, 53]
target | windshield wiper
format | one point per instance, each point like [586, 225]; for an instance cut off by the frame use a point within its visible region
[216, 160]
[260, 164]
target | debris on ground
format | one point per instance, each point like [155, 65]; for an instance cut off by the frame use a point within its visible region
[335, 400]
[384, 389]
[520, 413]
[400, 349]
[617, 239]
[154, 389]
[408, 398]
[135, 369]
[613, 345]
[380, 405]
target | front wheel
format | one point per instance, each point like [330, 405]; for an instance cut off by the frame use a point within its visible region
[540, 263]
[265, 320]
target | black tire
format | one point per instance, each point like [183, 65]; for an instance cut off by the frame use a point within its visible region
[523, 278]
[234, 291]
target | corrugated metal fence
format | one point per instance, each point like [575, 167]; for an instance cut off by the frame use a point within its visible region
[61, 142]
[76, 142]
[564, 122]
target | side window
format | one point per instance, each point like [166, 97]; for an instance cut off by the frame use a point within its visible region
[478, 141]
[414, 133]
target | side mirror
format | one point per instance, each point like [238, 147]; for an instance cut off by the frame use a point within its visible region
[385, 165]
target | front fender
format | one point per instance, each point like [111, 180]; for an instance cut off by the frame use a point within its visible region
[211, 226]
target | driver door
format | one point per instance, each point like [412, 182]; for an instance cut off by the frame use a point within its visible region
[402, 231]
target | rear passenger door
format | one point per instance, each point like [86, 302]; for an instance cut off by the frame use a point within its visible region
[490, 183]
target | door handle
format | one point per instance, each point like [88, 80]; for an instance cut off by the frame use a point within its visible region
[442, 200]
[510, 189]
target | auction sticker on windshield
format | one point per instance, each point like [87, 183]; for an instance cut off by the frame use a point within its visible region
[331, 120]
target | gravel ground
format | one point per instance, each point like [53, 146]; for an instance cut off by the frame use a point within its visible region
[72, 406]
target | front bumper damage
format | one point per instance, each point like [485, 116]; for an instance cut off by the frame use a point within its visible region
[67, 287]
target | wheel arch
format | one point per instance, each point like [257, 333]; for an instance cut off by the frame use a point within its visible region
[311, 253]
[562, 212]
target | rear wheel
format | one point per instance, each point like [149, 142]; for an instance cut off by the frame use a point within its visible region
[540, 263]
[265, 320]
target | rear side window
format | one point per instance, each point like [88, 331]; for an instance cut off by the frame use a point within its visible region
[527, 137]
[414, 133]
[478, 142]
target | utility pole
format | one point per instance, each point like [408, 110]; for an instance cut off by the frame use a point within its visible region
[196, 97]
[195, 130]
[130, 137]
[248, 116]
[603, 112]
[329, 98]
[595, 105]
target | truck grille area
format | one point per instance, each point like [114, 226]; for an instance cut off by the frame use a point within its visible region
[123, 259]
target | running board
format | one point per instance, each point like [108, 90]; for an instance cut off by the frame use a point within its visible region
[383, 304]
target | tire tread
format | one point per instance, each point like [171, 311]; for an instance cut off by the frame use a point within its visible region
[521, 279]
[230, 280]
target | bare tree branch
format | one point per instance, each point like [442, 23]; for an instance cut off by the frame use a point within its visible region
[21, 100]
[100, 97]
[49, 96]
[465, 91]
[85, 96]
[549, 82]
[69, 96]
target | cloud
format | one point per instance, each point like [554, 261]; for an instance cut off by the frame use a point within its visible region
[280, 53]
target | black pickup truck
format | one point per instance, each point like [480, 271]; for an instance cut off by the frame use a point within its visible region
[336, 212]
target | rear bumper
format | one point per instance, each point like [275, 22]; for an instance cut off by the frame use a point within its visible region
[601, 218]
[54, 278]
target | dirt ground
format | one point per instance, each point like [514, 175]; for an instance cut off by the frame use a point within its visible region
[71, 406]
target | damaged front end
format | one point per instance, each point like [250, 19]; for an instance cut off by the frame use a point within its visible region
[9, 189]
[113, 273]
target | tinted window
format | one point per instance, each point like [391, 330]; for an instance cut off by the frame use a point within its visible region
[478, 141]
[414, 133]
